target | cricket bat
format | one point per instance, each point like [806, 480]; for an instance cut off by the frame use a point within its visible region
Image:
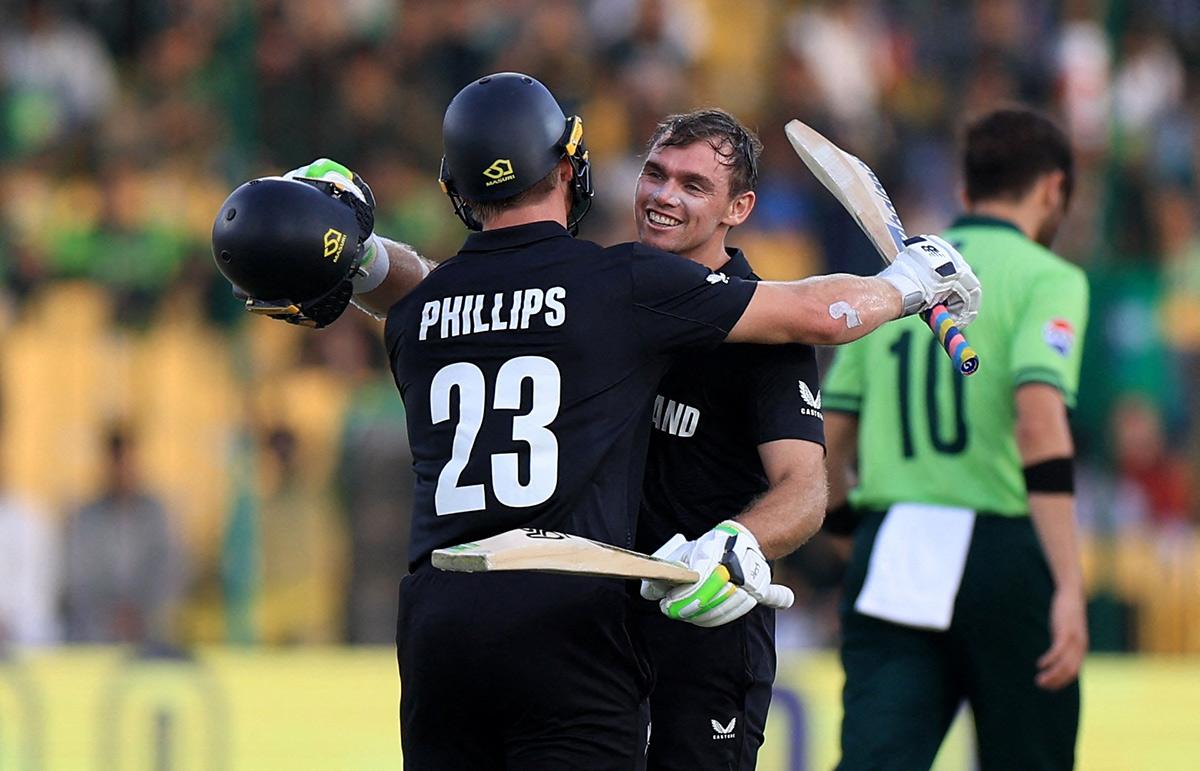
[547, 551]
[862, 194]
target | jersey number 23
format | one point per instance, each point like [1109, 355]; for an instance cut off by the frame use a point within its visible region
[530, 428]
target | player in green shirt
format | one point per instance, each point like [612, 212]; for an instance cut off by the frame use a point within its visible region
[964, 580]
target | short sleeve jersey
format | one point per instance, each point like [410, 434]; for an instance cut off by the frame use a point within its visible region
[711, 412]
[528, 364]
[927, 434]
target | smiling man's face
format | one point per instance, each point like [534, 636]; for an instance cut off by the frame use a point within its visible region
[683, 198]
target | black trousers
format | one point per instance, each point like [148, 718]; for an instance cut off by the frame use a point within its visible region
[519, 671]
[712, 689]
[904, 685]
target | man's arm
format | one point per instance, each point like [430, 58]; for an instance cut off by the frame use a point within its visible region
[791, 510]
[405, 269]
[831, 310]
[1043, 434]
[841, 444]
[823, 310]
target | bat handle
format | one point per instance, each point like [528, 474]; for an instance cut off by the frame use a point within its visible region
[777, 596]
[966, 361]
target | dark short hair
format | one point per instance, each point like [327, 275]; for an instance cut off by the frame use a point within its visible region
[1006, 151]
[485, 210]
[737, 146]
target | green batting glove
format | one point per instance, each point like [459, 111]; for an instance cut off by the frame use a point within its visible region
[326, 170]
[714, 599]
[734, 577]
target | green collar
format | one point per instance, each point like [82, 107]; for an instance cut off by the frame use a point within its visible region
[980, 221]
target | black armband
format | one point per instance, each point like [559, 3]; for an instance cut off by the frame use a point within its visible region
[1056, 475]
[841, 520]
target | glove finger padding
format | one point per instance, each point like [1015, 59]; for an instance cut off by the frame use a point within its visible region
[687, 603]
[676, 549]
[739, 604]
[326, 170]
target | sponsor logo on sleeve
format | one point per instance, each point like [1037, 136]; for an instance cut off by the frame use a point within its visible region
[1060, 336]
[717, 278]
[814, 402]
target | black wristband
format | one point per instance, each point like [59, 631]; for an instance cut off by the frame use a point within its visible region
[841, 520]
[1056, 475]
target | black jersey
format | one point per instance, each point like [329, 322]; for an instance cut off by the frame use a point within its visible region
[528, 364]
[712, 410]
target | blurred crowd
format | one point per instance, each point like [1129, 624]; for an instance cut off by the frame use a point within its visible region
[175, 471]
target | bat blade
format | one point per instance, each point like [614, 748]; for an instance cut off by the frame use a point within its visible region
[862, 194]
[547, 551]
[854, 184]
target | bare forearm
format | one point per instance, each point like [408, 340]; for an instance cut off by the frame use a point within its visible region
[783, 520]
[791, 510]
[1043, 434]
[406, 269]
[823, 310]
[841, 443]
[1054, 519]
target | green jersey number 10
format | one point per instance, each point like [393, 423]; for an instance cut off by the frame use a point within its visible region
[948, 439]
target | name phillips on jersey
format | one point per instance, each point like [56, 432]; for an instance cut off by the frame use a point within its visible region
[472, 314]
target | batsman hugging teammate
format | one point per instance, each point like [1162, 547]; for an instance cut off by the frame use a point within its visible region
[528, 364]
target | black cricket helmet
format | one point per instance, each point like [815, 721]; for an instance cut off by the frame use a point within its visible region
[290, 247]
[502, 134]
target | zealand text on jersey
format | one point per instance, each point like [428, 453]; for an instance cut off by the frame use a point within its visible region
[674, 418]
[474, 313]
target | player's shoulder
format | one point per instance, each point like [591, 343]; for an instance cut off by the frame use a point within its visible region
[641, 253]
[1041, 264]
[984, 242]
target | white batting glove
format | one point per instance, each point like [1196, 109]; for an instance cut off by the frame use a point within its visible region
[930, 271]
[677, 549]
[734, 577]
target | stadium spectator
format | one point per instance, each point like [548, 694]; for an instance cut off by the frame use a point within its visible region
[29, 573]
[374, 498]
[303, 550]
[124, 568]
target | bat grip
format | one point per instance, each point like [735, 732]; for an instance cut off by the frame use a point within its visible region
[777, 596]
[966, 361]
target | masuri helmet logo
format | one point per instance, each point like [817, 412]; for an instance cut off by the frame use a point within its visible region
[335, 242]
[501, 170]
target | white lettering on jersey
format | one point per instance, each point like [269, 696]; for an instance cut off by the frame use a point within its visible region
[473, 314]
[451, 316]
[429, 317]
[674, 418]
[530, 305]
[558, 311]
[498, 323]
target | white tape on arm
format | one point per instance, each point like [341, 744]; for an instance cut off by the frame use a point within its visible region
[374, 268]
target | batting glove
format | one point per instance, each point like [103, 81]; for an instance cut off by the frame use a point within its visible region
[734, 577]
[334, 173]
[371, 270]
[678, 549]
[930, 271]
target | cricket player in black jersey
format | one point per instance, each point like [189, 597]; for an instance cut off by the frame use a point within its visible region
[528, 363]
[737, 431]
